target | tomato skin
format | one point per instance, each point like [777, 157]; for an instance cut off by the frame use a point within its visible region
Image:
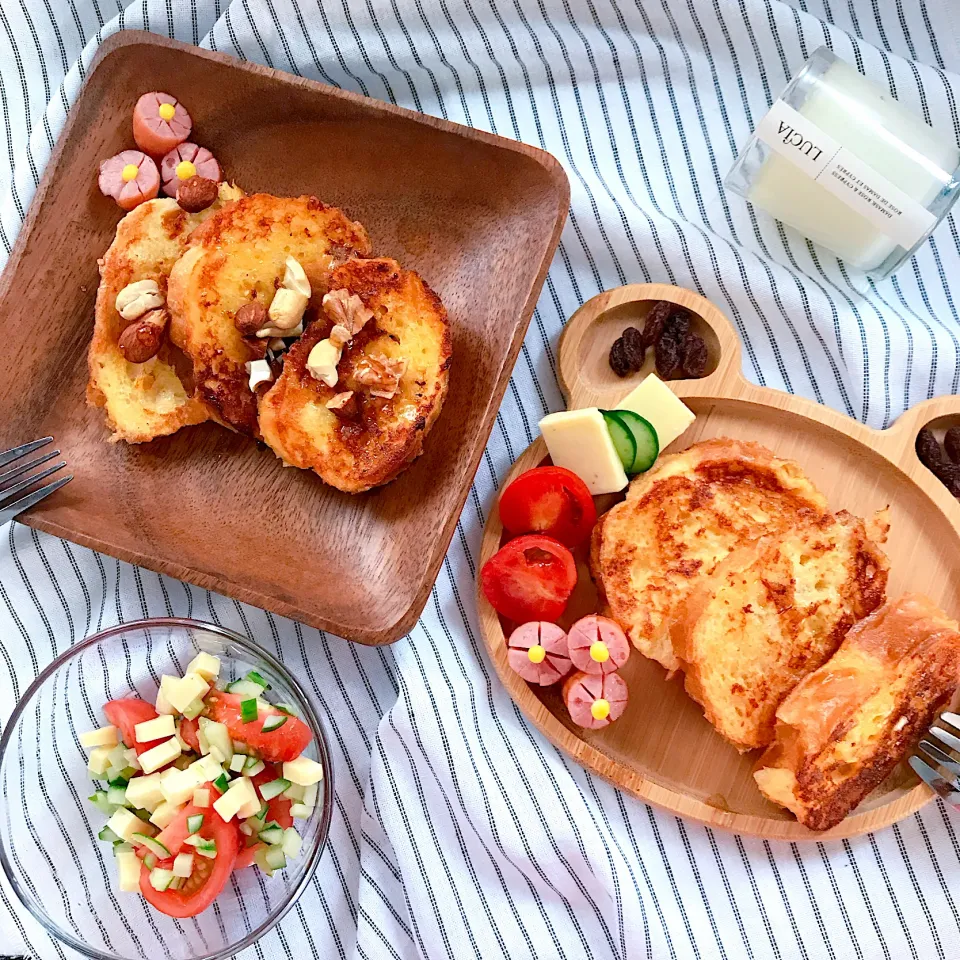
[125, 714]
[188, 733]
[175, 832]
[553, 501]
[247, 856]
[285, 743]
[529, 578]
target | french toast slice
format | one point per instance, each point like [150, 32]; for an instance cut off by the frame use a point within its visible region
[679, 520]
[142, 401]
[845, 727]
[772, 611]
[236, 257]
[369, 442]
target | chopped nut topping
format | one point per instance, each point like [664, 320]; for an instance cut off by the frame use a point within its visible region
[381, 374]
[340, 400]
[348, 314]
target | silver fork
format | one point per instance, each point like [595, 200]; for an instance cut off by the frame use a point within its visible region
[18, 479]
[944, 781]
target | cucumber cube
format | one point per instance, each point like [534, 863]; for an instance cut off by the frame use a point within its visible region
[160, 879]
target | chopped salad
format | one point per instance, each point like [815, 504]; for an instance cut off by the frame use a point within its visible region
[206, 781]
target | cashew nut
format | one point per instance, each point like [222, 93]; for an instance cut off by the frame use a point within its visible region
[135, 299]
[322, 362]
[292, 298]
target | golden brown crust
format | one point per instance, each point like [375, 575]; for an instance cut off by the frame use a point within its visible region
[845, 727]
[386, 435]
[236, 257]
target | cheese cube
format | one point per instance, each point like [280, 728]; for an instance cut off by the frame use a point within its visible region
[201, 798]
[303, 770]
[128, 871]
[580, 441]
[104, 737]
[249, 809]
[660, 407]
[124, 823]
[160, 755]
[236, 764]
[145, 792]
[162, 704]
[205, 665]
[310, 796]
[155, 729]
[178, 788]
[165, 814]
[239, 794]
[181, 692]
[206, 768]
[99, 760]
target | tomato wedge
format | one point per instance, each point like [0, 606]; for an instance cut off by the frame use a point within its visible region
[125, 714]
[188, 733]
[175, 832]
[278, 808]
[530, 578]
[247, 856]
[284, 743]
[550, 500]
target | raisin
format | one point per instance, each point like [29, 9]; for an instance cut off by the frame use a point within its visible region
[653, 326]
[634, 347]
[949, 475]
[668, 353]
[694, 363]
[677, 324]
[619, 363]
[929, 451]
[951, 443]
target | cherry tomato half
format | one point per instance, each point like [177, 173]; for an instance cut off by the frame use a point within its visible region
[285, 742]
[549, 500]
[530, 578]
[125, 714]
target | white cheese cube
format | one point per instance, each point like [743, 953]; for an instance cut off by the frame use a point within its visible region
[201, 798]
[660, 407]
[580, 441]
[249, 809]
[310, 795]
[205, 665]
[165, 814]
[99, 761]
[128, 871]
[155, 729]
[236, 764]
[178, 788]
[206, 768]
[162, 705]
[181, 692]
[239, 794]
[104, 737]
[303, 770]
[160, 755]
[124, 823]
[145, 792]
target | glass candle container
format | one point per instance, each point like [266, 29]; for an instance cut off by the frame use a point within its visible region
[837, 158]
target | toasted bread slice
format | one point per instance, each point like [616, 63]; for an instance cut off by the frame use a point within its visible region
[381, 436]
[236, 257]
[847, 725]
[679, 520]
[771, 612]
[143, 400]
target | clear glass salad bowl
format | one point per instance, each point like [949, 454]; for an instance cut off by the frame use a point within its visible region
[49, 849]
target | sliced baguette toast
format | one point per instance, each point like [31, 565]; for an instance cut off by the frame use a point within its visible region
[845, 727]
[771, 612]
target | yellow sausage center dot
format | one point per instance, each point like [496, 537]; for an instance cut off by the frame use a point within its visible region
[166, 111]
[186, 170]
[536, 653]
[600, 709]
[129, 172]
[599, 651]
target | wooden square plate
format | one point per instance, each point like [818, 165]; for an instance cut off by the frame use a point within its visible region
[477, 215]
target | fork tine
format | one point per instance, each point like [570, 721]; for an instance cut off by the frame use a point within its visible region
[953, 719]
[30, 481]
[14, 472]
[939, 756]
[948, 738]
[8, 456]
[943, 787]
[31, 499]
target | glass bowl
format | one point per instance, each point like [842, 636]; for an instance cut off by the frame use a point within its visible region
[49, 849]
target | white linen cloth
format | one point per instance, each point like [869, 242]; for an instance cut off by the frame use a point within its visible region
[459, 831]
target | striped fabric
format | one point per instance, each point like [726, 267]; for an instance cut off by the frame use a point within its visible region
[458, 831]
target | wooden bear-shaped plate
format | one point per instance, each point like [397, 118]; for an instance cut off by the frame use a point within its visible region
[662, 749]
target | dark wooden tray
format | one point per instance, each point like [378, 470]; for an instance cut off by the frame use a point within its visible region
[478, 216]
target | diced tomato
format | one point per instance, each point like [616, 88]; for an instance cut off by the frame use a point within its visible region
[278, 808]
[175, 832]
[188, 733]
[530, 578]
[125, 714]
[287, 742]
[549, 500]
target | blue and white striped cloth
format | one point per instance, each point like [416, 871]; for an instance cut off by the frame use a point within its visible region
[458, 831]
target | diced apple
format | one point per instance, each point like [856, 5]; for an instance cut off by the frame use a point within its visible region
[303, 770]
[149, 730]
[104, 737]
[205, 665]
[160, 755]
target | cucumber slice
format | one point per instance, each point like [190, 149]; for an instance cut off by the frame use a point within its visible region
[207, 848]
[154, 846]
[272, 833]
[291, 843]
[262, 815]
[248, 710]
[644, 436]
[121, 847]
[176, 883]
[275, 859]
[245, 688]
[149, 861]
[253, 766]
[287, 708]
[160, 879]
[273, 723]
[274, 788]
[109, 836]
[222, 782]
[118, 795]
[99, 800]
[622, 438]
[194, 823]
[255, 677]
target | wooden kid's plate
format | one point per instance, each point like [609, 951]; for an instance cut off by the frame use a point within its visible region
[662, 750]
[478, 216]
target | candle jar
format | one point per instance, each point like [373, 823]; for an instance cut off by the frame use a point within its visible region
[837, 158]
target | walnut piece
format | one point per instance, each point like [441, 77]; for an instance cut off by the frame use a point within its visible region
[340, 400]
[381, 374]
[348, 314]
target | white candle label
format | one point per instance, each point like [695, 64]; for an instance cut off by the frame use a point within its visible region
[869, 193]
